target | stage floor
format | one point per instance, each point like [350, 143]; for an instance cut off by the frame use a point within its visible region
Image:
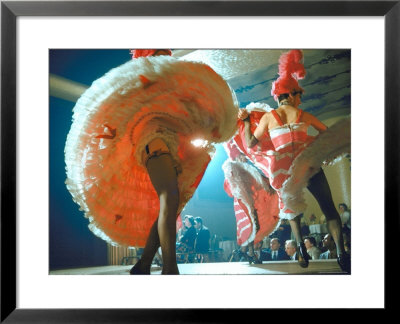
[316, 267]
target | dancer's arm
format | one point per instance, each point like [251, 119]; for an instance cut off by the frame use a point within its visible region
[253, 139]
[314, 122]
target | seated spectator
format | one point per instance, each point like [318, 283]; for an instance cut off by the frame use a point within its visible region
[290, 248]
[181, 231]
[252, 256]
[202, 243]
[186, 242]
[329, 244]
[344, 213]
[311, 246]
[257, 249]
[274, 253]
[347, 242]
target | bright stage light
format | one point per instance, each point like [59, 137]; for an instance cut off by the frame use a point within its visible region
[199, 142]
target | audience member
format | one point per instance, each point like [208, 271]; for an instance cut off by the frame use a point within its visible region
[290, 248]
[186, 242]
[275, 252]
[181, 232]
[347, 242]
[329, 244]
[257, 249]
[311, 245]
[313, 219]
[344, 214]
[202, 243]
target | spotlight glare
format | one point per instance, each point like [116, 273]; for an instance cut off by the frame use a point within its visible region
[199, 142]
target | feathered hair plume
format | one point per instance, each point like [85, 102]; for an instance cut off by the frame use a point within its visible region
[291, 69]
[146, 52]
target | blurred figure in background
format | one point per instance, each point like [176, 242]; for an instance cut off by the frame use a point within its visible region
[329, 246]
[311, 246]
[185, 246]
[305, 230]
[283, 232]
[345, 217]
[202, 243]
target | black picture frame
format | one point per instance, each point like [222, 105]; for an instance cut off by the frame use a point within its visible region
[10, 10]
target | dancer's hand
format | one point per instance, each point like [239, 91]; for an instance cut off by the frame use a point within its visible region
[243, 114]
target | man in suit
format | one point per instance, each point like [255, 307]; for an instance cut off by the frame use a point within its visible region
[274, 253]
[290, 248]
[202, 244]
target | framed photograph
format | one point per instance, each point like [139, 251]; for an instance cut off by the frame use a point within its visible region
[42, 43]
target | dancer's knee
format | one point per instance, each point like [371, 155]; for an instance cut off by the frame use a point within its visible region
[321, 191]
[330, 212]
[169, 201]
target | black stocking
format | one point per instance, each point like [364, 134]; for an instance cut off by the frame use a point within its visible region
[163, 176]
[319, 187]
[152, 245]
[295, 226]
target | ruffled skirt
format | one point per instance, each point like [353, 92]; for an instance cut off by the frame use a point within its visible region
[113, 121]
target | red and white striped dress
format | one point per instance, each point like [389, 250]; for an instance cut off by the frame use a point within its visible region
[256, 209]
[289, 157]
[244, 225]
[288, 140]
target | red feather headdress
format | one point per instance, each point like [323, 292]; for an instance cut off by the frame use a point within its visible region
[291, 69]
[147, 52]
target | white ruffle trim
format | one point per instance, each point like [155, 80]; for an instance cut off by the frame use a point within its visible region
[331, 145]
[241, 177]
[177, 101]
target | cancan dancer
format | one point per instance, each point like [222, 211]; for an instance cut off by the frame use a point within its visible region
[131, 159]
[291, 159]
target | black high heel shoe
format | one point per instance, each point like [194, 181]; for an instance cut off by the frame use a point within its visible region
[136, 269]
[302, 254]
[344, 262]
